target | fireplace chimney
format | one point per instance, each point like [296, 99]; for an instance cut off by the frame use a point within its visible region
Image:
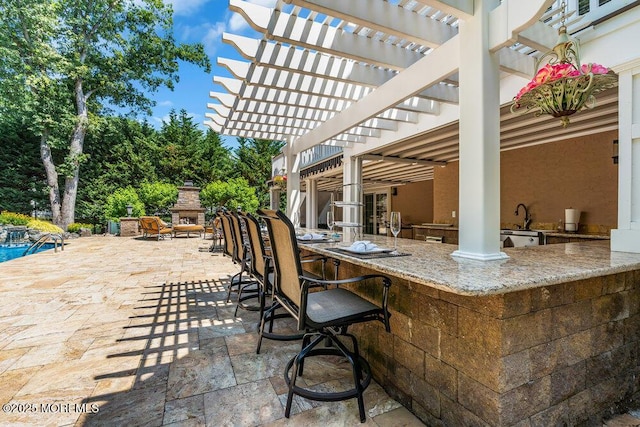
[187, 209]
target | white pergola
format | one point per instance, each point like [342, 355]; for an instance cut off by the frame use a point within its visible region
[406, 85]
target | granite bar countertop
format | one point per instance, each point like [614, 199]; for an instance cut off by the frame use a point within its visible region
[433, 265]
[576, 235]
[436, 226]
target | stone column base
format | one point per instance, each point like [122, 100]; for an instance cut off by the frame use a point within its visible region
[129, 227]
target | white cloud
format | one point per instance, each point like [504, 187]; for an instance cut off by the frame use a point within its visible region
[160, 120]
[237, 23]
[186, 7]
[166, 103]
[213, 37]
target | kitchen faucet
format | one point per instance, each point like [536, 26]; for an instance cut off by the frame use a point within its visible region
[527, 217]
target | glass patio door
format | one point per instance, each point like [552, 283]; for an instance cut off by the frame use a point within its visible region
[375, 213]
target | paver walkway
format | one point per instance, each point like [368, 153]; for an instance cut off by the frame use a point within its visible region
[117, 331]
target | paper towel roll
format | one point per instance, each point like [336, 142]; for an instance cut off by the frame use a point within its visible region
[571, 219]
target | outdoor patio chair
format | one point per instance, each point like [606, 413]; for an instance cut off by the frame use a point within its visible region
[234, 248]
[261, 268]
[259, 263]
[225, 225]
[215, 229]
[229, 249]
[323, 311]
[247, 289]
[154, 226]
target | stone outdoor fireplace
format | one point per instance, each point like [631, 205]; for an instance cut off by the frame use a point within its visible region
[187, 209]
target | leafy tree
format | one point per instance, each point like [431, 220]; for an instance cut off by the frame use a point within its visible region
[178, 138]
[232, 193]
[254, 164]
[64, 59]
[214, 162]
[157, 197]
[116, 205]
[21, 174]
[120, 152]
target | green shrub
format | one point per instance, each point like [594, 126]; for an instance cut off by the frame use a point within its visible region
[116, 205]
[14, 218]
[231, 193]
[157, 196]
[44, 226]
[76, 226]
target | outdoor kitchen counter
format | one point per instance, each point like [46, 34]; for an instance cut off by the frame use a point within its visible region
[548, 336]
[433, 265]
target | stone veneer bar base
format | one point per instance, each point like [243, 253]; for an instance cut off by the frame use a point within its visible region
[565, 354]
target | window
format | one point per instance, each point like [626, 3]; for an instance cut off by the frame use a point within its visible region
[583, 6]
[601, 2]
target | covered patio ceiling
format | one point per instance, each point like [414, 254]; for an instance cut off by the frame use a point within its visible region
[410, 160]
[319, 59]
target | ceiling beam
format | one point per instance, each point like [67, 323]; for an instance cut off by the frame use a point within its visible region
[404, 160]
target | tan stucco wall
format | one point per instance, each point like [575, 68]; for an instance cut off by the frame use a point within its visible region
[576, 173]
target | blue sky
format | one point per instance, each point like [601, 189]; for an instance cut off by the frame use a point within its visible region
[201, 21]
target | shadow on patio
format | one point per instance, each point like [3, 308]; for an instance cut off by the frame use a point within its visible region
[197, 365]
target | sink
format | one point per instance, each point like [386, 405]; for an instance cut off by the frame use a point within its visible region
[520, 238]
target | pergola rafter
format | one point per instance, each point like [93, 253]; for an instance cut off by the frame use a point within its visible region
[319, 59]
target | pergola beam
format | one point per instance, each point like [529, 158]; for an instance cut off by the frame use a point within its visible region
[433, 68]
[383, 16]
[305, 61]
[514, 17]
[295, 30]
[462, 9]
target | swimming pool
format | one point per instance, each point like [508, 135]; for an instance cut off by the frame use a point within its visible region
[15, 251]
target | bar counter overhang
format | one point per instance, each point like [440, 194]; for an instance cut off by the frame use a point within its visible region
[548, 336]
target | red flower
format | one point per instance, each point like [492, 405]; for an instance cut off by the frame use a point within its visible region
[550, 73]
[594, 68]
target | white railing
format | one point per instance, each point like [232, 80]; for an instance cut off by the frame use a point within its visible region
[317, 154]
[589, 11]
[308, 157]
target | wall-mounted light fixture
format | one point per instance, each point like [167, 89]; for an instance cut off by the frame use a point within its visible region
[615, 152]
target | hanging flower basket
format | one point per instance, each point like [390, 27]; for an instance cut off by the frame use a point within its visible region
[280, 181]
[561, 90]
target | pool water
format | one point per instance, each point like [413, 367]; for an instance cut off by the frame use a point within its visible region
[15, 251]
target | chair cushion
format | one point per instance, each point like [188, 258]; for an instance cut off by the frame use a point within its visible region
[337, 306]
[185, 228]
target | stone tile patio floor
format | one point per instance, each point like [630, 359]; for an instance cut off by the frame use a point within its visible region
[122, 331]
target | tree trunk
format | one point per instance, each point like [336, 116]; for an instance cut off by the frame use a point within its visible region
[75, 152]
[52, 177]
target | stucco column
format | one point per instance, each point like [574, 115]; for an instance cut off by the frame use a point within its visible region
[479, 194]
[626, 238]
[294, 199]
[274, 199]
[352, 193]
[311, 211]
